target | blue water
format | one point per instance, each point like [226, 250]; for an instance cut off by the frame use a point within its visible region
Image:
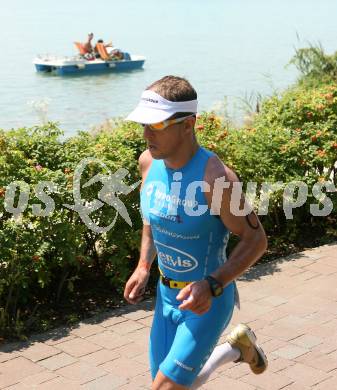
[226, 48]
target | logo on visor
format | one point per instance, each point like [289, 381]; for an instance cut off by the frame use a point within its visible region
[149, 100]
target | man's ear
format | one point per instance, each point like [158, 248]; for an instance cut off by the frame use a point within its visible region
[189, 124]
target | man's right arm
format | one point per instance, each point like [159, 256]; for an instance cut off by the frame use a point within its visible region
[135, 286]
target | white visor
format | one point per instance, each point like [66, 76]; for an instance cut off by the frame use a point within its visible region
[153, 108]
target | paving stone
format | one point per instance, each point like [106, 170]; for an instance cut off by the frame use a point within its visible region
[268, 380]
[55, 336]
[19, 368]
[307, 341]
[81, 372]
[294, 322]
[320, 361]
[113, 320]
[142, 358]
[321, 268]
[109, 340]
[4, 356]
[138, 382]
[85, 330]
[290, 352]
[328, 346]
[235, 372]
[132, 386]
[281, 332]
[125, 368]
[146, 321]
[107, 382]
[131, 350]
[59, 383]
[224, 382]
[140, 336]
[19, 386]
[127, 327]
[79, 347]
[57, 361]
[307, 376]
[279, 364]
[296, 386]
[39, 351]
[8, 380]
[273, 300]
[138, 314]
[100, 357]
[36, 379]
[329, 384]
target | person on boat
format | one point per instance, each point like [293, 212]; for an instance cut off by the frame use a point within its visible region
[88, 44]
[106, 45]
[186, 199]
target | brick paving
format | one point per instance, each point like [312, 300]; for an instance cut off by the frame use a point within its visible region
[291, 303]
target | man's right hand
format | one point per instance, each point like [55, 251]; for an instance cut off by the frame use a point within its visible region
[135, 286]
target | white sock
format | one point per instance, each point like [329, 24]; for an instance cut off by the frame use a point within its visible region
[221, 354]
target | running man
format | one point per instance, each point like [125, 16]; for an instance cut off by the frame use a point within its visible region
[185, 201]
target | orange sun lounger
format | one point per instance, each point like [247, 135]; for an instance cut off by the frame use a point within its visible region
[103, 52]
[80, 48]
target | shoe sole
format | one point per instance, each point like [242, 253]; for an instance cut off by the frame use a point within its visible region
[252, 338]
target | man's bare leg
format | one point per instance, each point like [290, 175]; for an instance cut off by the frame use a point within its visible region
[162, 382]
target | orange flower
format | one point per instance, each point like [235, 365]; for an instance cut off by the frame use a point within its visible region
[321, 153]
[200, 127]
[329, 96]
[2, 192]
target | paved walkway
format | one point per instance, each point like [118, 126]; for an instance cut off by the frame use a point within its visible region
[291, 303]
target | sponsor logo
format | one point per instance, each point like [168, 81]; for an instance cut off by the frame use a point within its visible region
[150, 100]
[160, 214]
[174, 200]
[175, 259]
[182, 365]
[175, 235]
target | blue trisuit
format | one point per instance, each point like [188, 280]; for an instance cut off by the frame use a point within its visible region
[191, 244]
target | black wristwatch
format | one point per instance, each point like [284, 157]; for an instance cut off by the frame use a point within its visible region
[215, 286]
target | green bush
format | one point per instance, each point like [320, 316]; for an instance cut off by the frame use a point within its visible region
[315, 65]
[42, 258]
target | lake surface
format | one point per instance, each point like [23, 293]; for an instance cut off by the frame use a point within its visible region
[226, 48]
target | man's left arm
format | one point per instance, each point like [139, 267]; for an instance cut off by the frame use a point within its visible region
[253, 242]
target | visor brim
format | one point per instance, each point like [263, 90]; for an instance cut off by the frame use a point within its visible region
[148, 116]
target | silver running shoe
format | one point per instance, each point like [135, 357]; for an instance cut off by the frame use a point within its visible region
[244, 339]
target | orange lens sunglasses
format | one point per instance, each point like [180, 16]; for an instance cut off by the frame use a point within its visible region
[162, 125]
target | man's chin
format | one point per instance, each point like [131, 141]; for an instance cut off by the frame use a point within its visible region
[155, 153]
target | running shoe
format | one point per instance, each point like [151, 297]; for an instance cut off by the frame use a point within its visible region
[244, 339]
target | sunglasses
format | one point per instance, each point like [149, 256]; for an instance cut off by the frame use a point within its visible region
[162, 125]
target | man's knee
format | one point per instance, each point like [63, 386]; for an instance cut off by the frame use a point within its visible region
[162, 382]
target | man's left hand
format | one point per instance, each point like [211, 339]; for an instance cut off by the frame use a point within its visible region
[196, 297]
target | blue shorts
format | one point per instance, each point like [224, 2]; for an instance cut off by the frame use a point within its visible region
[181, 341]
